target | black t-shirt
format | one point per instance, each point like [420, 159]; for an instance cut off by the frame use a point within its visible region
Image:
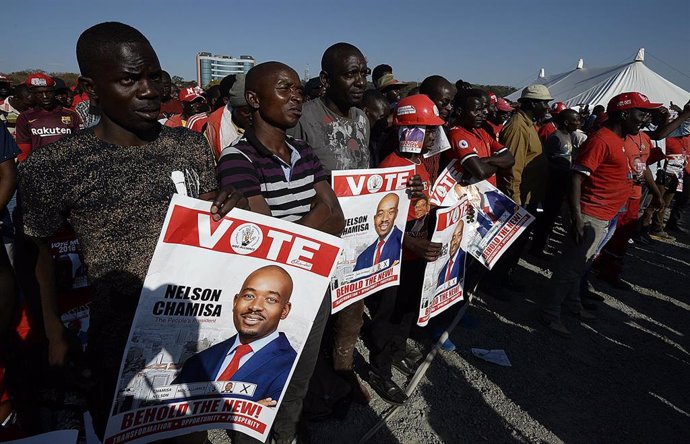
[115, 198]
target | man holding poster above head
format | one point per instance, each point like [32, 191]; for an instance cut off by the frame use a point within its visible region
[258, 353]
[388, 244]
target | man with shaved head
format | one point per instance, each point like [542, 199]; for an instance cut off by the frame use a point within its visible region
[258, 353]
[282, 177]
[332, 125]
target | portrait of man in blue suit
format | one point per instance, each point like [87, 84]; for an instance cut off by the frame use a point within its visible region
[389, 241]
[258, 353]
[456, 261]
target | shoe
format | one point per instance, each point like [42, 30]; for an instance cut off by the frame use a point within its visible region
[661, 235]
[583, 315]
[556, 327]
[616, 282]
[405, 367]
[387, 389]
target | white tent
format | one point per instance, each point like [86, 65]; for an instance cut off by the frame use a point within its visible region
[596, 86]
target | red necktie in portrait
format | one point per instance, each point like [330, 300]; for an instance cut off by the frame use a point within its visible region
[230, 370]
[379, 247]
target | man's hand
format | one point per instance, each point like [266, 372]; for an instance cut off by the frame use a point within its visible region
[657, 201]
[225, 201]
[415, 187]
[268, 402]
[429, 251]
[578, 229]
[58, 348]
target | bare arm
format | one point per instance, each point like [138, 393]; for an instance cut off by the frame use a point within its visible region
[325, 213]
[45, 276]
[501, 161]
[8, 182]
[667, 127]
[574, 201]
[479, 168]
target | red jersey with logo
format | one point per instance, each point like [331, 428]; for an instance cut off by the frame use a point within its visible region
[602, 158]
[38, 127]
[417, 225]
[679, 145]
[476, 142]
[638, 148]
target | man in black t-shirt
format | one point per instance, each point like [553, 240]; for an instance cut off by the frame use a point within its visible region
[113, 184]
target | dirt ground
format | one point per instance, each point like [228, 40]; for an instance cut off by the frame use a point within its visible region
[622, 378]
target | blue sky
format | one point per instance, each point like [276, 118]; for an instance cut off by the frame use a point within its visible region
[491, 42]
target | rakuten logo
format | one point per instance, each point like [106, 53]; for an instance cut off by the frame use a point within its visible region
[46, 132]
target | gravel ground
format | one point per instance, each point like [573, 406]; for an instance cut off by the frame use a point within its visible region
[622, 378]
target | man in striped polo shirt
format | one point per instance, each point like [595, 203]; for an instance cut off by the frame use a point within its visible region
[282, 177]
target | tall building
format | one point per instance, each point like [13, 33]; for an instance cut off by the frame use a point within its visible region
[215, 67]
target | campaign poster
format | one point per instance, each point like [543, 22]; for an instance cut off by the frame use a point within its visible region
[223, 316]
[74, 294]
[499, 221]
[375, 205]
[444, 278]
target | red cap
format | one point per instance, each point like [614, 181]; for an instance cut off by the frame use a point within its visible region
[191, 94]
[630, 100]
[557, 107]
[39, 79]
[503, 105]
[492, 98]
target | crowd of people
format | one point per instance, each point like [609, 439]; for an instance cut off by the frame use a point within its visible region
[94, 161]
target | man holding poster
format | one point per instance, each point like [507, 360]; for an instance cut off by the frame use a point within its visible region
[258, 353]
[134, 166]
[282, 177]
[395, 311]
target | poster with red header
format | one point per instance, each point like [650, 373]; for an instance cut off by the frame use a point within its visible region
[444, 278]
[222, 318]
[499, 220]
[375, 205]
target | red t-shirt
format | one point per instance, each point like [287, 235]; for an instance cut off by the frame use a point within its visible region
[38, 127]
[637, 148]
[416, 226]
[603, 160]
[679, 145]
[546, 130]
[476, 142]
[492, 128]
